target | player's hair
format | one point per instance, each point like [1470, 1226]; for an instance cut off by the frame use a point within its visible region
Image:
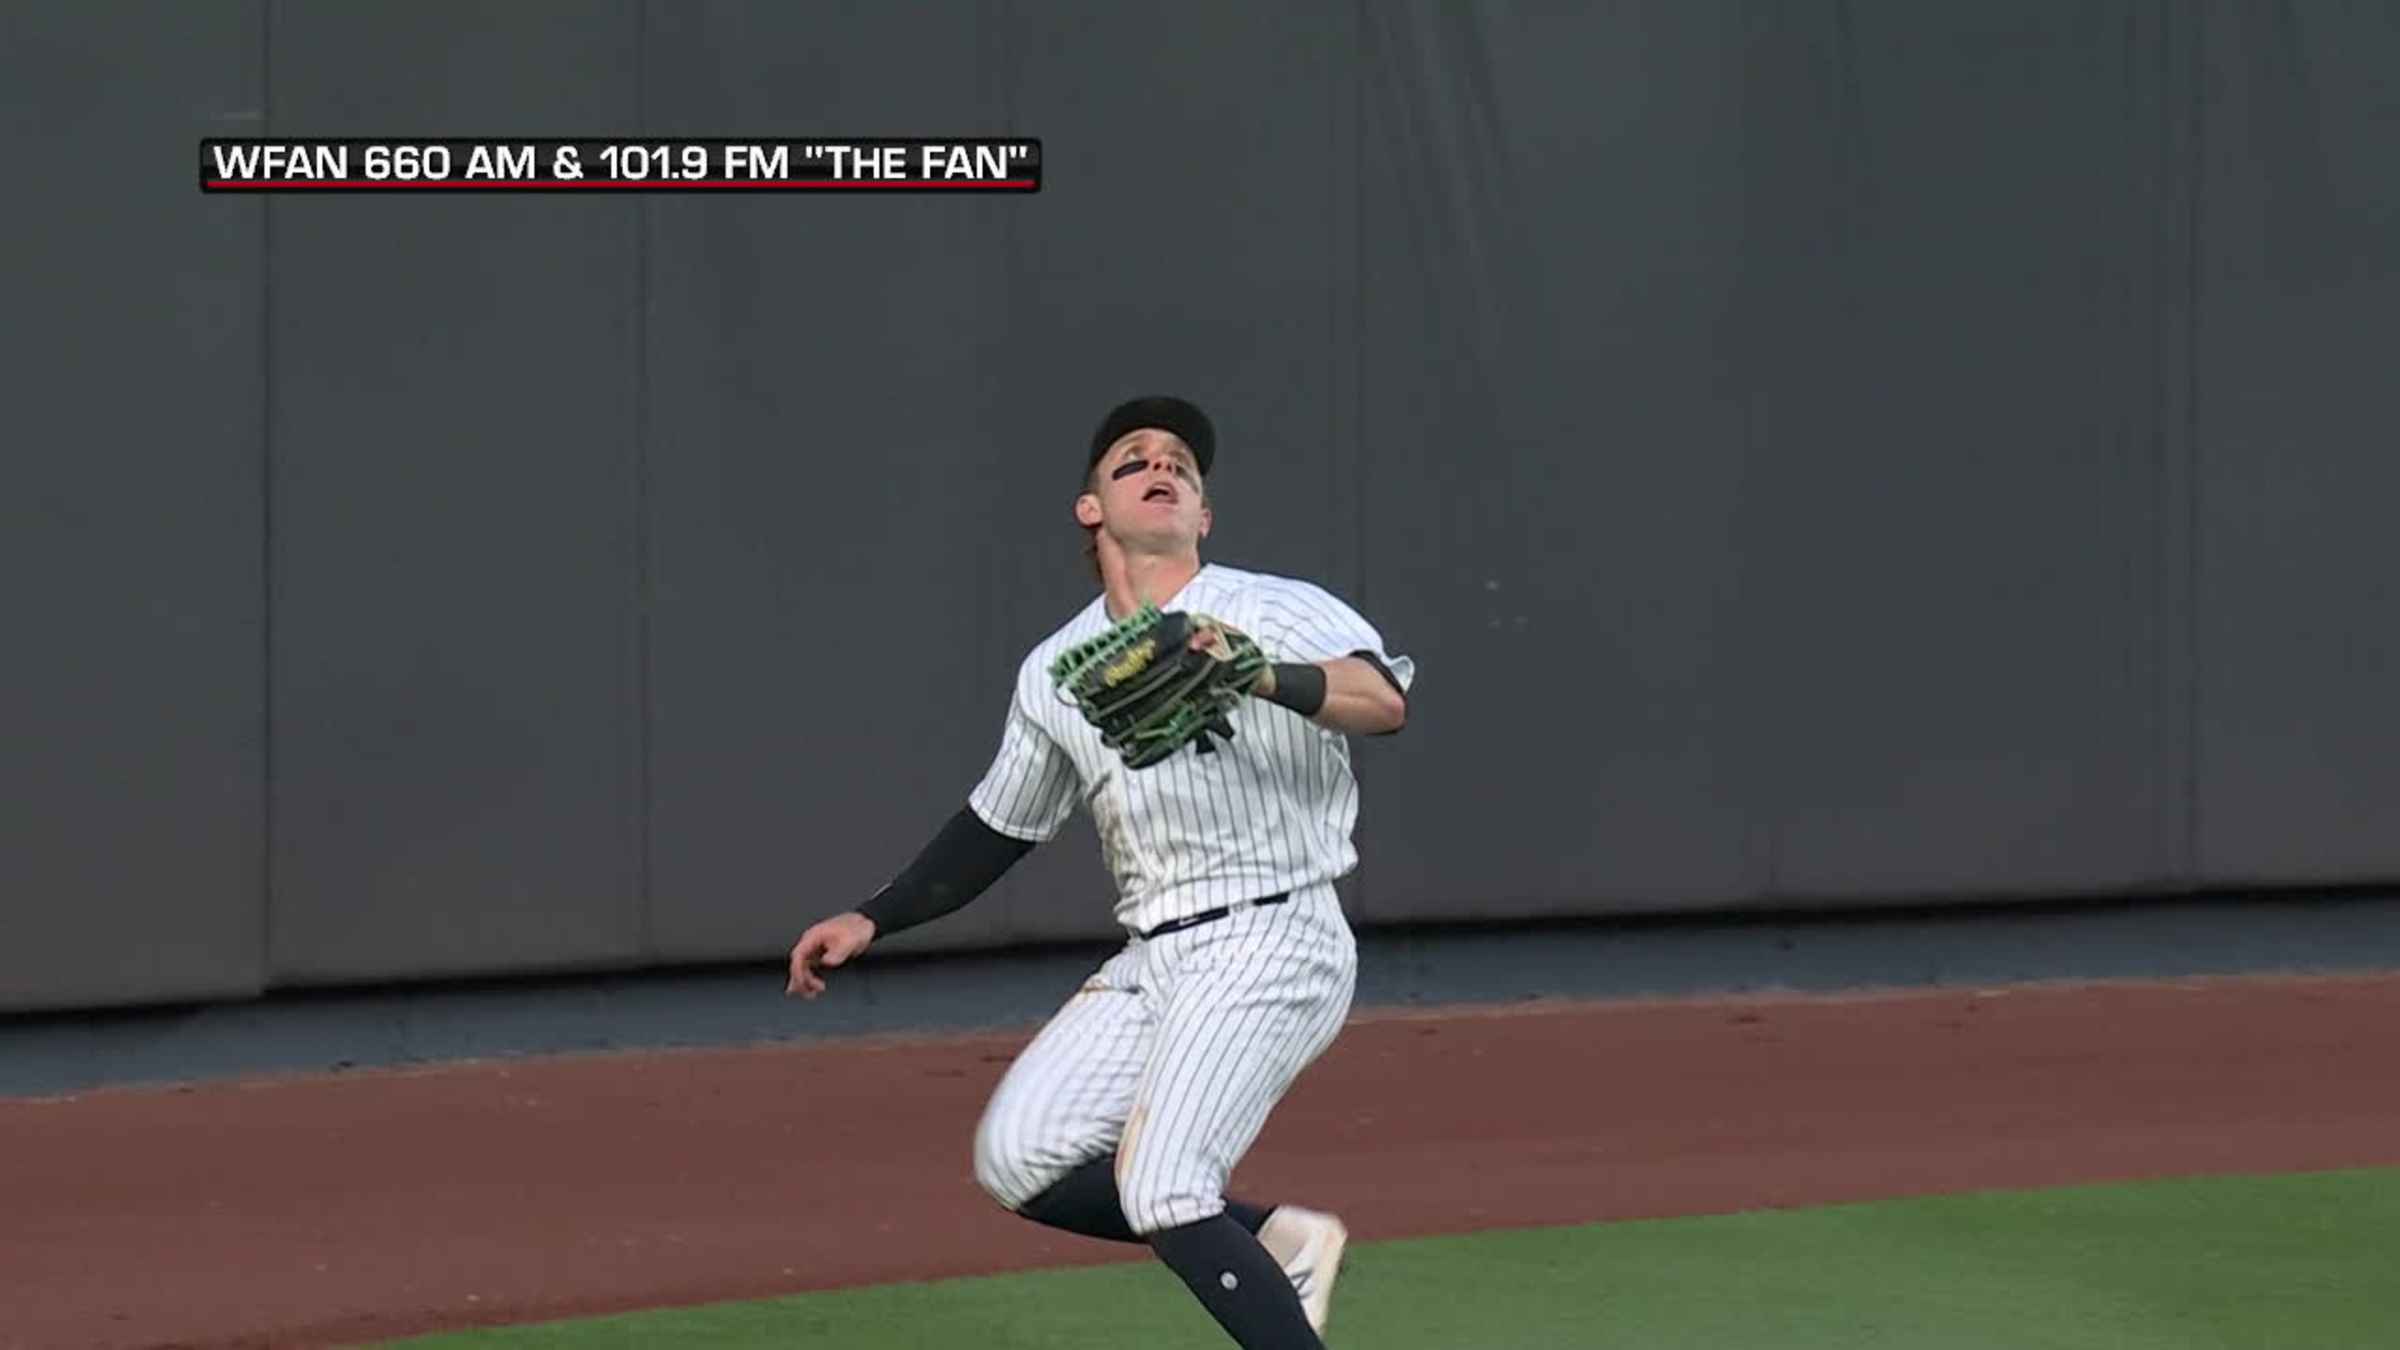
[1091, 533]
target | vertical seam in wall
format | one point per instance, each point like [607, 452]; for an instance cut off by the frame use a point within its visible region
[1335, 448]
[1358, 335]
[2194, 181]
[2166, 681]
[1358, 288]
[266, 515]
[643, 582]
[997, 78]
[2173, 491]
[1333, 308]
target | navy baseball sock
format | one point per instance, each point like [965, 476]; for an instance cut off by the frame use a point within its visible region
[1239, 1284]
[1085, 1201]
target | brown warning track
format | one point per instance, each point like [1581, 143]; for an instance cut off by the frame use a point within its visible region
[333, 1210]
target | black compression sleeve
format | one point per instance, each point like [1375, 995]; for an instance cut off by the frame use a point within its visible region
[961, 863]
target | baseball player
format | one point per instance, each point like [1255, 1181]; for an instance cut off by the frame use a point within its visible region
[1128, 1112]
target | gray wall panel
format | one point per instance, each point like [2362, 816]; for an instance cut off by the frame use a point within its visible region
[131, 782]
[1951, 574]
[1555, 459]
[456, 542]
[2299, 320]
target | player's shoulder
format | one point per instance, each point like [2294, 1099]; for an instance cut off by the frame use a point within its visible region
[1087, 622]
[1249, 592]
[1247, 583]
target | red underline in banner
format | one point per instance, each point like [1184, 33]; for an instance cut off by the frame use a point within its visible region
[385, 185]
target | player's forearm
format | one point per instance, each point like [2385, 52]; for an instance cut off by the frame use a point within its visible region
[1359, 701]
[1348, 695]
[960, 864]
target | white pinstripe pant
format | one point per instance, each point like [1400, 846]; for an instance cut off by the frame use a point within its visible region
[1171, 1056]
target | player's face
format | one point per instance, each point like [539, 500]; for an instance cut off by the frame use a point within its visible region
[1147, 488]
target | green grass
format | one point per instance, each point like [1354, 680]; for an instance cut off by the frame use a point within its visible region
[2258, 1263]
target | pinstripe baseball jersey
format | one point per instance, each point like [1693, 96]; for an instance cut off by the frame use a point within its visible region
[1271, 811]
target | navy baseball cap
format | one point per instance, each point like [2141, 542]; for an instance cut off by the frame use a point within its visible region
[1167, 414]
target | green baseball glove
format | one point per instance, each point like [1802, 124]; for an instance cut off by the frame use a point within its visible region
[1149, 690]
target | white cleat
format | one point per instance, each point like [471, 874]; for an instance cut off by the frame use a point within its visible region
[1308, 1246]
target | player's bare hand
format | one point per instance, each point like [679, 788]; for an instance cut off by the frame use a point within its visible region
[1209, 633]
[824, 947]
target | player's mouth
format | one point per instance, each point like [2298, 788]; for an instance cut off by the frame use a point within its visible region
[1160, 492]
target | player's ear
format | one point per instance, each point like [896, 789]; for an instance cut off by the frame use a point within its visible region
[1087, 510]
[1208, 518]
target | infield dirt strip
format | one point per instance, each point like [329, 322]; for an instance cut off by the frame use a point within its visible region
[333, 1210]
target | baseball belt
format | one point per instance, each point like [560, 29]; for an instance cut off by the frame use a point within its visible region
[1212, 915]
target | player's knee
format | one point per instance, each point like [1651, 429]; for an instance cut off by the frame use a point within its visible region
[1006, 1173]
[992, 1170]
[1154, 1205]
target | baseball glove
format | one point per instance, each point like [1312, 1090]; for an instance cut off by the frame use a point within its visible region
[1150, 690]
